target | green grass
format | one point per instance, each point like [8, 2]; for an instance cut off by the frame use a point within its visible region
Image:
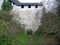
[8, 39]
[37, 39]
[20, 39]
[16, 39]
[3, 33]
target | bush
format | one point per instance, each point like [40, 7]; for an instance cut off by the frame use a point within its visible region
[6, 37]
[15, 28]
[50, 24]
[11, 33]
[4, 33]
[50, 28]
[39, 31]
[6, 16]
[48, 41]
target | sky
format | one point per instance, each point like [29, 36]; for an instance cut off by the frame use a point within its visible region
[28, 1]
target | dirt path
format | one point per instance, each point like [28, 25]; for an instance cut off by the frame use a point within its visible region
[30, 40]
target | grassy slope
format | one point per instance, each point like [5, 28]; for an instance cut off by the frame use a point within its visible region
[37, 39]
[17, 39]
[20, 39]
[7, 38]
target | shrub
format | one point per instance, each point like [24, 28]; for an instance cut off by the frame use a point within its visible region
[39, 31]
[15, 28]
[12, 25]
[48, 41]
[5, 16]
[50, 24]
[9, 27]
[50, 27]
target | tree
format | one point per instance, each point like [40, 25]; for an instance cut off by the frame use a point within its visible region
[6, 6]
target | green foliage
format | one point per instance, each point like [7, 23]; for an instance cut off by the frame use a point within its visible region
[4, 34]
[11, 33]
[50, 28]
[39, 31]
[48, 41]
[20, 39]
[5, 16]
[6, 6]
[6, 38]
[50, 23]
[37, 38]
[14, 28]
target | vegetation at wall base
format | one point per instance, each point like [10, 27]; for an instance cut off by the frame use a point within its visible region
[12, 33]
[30, 32]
